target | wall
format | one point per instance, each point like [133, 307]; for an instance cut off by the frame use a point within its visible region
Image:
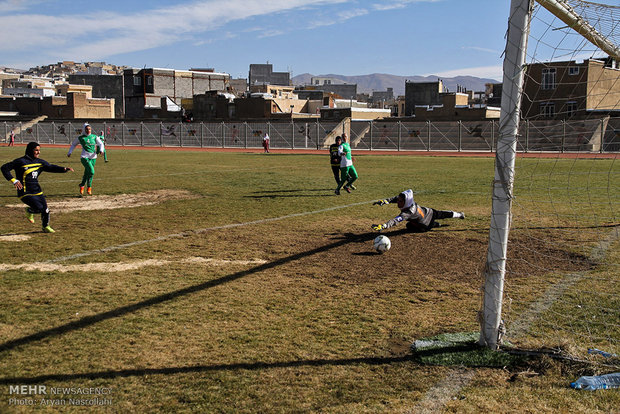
[603, 87]
[264, 74]
[442, 113]
[177, 85]
[90, 108]
[422, 93]
[104, 86]
[348, 91]
[568, 88]
[594, 88]
[72, 106]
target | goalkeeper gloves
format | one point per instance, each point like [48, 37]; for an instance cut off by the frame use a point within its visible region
[378, 227]
[380, 202]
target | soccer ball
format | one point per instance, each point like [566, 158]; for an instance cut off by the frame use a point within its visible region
[382, 244]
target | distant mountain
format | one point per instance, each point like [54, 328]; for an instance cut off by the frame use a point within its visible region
[382, 81]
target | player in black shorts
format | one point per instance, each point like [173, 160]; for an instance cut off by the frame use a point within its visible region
[26, 181]
[419, 219]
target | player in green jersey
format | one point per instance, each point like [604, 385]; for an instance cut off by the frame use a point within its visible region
[348, 174]
[89, 143]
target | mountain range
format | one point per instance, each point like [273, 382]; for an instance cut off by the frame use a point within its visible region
[382, 81]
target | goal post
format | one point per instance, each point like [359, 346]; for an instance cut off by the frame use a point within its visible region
[514, 64]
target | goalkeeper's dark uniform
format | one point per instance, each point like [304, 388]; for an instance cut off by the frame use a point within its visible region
[419, 219]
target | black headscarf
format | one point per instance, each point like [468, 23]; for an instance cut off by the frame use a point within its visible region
[30, 148]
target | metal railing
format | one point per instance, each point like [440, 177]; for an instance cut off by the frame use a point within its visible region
[593, 135]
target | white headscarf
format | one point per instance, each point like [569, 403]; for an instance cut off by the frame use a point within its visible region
[408, 198]
[84, 127]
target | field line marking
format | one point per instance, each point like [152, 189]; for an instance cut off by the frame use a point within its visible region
[198, 231]
[438, 396]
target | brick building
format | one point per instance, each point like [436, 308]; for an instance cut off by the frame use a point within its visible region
[144, 88]
[562, 90]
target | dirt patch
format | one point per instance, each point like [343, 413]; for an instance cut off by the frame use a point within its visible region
[109, 202]
[122, 266]
[444, 255]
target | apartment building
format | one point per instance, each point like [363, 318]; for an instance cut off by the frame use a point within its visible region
[143, 89]
[563, 90]
[263, 74]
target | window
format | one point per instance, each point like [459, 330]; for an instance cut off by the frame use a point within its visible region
[149, 81]
[548, 79]
[137, 81]
[571, 108]
[547, 109]
[573, 70]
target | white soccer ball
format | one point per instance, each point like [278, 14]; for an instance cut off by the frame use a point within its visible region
[382, 244]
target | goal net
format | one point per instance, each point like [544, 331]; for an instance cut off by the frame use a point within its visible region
[552, 277]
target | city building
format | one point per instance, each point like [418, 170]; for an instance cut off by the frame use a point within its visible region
[382, 97]
[28, 87]
[263, 74]
[355, 110]
[143, 89]
[104, 86]
[422, 93]
[562, 90]
[455, 106]
[65, 89]
[263, 102]
[323, 80]
[74, 105]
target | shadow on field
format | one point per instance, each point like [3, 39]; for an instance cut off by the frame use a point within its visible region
[156, 300]
[250, 366]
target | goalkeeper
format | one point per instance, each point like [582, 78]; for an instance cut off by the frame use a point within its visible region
[419, 219]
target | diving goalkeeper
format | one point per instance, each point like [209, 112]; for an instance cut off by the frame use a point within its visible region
[419, 219]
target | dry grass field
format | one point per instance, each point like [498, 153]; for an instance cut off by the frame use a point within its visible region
[239, 283]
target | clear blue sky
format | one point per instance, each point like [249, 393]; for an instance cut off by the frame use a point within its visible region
[348, 37]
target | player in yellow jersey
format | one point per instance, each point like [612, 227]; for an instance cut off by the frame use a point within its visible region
[26, 181]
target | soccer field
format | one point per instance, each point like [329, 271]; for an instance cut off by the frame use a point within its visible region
[201, 281]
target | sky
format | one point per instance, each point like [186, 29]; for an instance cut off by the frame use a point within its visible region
[347, 37]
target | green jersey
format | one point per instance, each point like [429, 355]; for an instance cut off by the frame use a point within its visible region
[345, 151]
[88, 142]
[89, 145]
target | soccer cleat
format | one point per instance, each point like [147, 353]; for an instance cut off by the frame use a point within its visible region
[337, 192]
[29, 216]
[81, 190]
[347, 189]
[48, 229]
[462, 216]
[89, 191]
[352, 187]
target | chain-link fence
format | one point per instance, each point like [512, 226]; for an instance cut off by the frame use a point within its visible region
[592, 135]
